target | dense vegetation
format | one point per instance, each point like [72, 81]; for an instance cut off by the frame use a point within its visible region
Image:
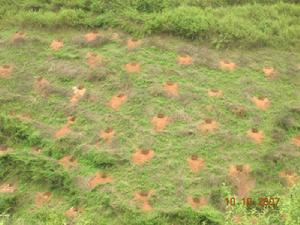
[222, 23]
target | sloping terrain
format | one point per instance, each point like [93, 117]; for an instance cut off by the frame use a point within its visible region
[149, 131]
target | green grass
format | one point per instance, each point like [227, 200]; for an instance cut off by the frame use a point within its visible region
[222, 24]
[168, 172]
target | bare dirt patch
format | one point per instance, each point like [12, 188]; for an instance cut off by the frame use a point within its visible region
[208, 125]
[68, 162]
[160, 121]
[290, 177]
[73, 212]
[227, 65]
[78, 93]
[91, 37]
[117, 100]
[133, 43]
[56, 45]
[215, 92]
[241, 179]
[8, 188]
[42, 198]
[99, 178]
[143, 200]
[184, 59]
[107, 135]
[296, 140]
[93, 59]
[5, 71]
[256, 135]
[261, 102]
[65, 128]
[269, 71]
[133, 67]
[195, 163]
[18, 37]
[171, 88]
[141, 156]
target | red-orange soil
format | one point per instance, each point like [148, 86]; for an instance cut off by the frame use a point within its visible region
[184, 59]
[133, 67]
[197, 202]
[5, 71]
[195, 163]
[208, 125]
[93, 59]
[215, 93]
[7, 188]
[99, 178]
[142, 199]
[256, 135]
[227, 65]
[261, 102]
[92, 36]
[160, 121]
[42, 198]
[3, 149]
[78, 93]
[142, 155]
[68, 162]
[290, 177]
[117, 100]
[171, 88]
[296, 140]
[56, 45]
[269, 71]
[18, 37]
[66, 128]
[107, 134]
[241, 179]
[73, 212]
[133, 43]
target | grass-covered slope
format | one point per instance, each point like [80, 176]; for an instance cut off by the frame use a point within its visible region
[222, 24]
[30, 117]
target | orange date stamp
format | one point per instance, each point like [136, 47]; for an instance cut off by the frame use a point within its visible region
[261, 201]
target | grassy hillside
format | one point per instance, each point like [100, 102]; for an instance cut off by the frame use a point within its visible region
[32, 114]
[221, 24]
[146, 112]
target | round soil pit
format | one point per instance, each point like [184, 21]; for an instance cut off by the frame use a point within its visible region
[107, 135]
[133, 43]
[296, 141]
[184, 59]
[195, 163]
[72, 212]
[99, 178]
[160, 122]
[171, 88]
[255, 135]
[215, 93]
[117, 101]
[269, 71]
[261, 102]
[68, 162]
[227, 65]
[208, 125]
[92, 36]
[7, 188]
[18, 37]
[42, 198]
[62, 132]
[94, 60]
[71, 119]
[142, 156]
[78, 93]
[56, 45]
[290, 177]
[5, 71]
[133, 67]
